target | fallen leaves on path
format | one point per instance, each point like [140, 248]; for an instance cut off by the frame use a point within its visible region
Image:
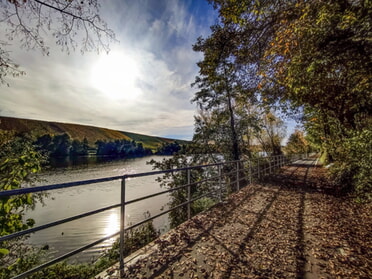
[288, 226]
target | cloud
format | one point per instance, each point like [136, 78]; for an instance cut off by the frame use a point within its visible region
[157, 35]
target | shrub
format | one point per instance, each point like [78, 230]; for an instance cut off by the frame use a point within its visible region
[352, 169]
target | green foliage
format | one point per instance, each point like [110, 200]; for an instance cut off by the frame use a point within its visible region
[312, 55]
[30, 257]
[202, 204]
[172, 180]
[20, 258]
[169, 148]
[121, 148]
[270, 133]
[211, 134]
[19, 161]
[219, 88]
[79, 148]
[352, 169]
[176, 179]
[61, 145]
[43, 129]
[64, 270]
[139, 237]
[297, 144]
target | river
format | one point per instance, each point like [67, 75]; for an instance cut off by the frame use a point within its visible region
[68, 202]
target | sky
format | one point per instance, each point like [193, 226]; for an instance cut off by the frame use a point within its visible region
[141, 86]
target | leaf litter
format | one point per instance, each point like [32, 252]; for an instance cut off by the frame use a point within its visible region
[291, 225]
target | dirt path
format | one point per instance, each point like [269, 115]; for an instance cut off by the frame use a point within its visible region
[288, 226]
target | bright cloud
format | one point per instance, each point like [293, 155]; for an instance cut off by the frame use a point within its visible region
[142, 85]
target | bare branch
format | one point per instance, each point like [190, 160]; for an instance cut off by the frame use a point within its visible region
[35, 21]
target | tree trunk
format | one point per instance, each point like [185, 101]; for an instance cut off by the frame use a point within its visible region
[234, 137]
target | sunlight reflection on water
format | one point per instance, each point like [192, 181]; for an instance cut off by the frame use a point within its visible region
[65, 203]
[112, 224]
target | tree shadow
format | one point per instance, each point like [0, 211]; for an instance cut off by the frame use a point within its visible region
[296, 178]
[179, 237]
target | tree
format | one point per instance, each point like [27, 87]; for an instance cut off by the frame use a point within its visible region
[61, 145]
[271, 134]
[310, 53]
[297, 144]
[219, 82]
[35, 21]
[19, 162]
[168, 148]
[44, 143]
[314, 55]
[171, 180]
[78, 148]
[85, 146]
[322, 57]
[208, 137]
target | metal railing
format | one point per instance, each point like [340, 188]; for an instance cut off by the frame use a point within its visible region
[223, 178]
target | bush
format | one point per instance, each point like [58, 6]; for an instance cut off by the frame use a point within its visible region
[352, 169]
[134, 240]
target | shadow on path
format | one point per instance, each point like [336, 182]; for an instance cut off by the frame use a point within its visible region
[259, 232]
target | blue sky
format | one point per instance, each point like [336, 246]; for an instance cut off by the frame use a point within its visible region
[142, 85]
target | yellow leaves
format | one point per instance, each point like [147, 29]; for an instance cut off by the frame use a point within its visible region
[311, 67]
[286, 48]
[347, 20]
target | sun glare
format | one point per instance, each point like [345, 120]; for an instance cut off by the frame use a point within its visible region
[112, 224]
[115, 75]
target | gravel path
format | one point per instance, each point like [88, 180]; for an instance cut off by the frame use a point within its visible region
[291, 225]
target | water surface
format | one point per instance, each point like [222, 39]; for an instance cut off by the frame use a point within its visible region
[68, 202]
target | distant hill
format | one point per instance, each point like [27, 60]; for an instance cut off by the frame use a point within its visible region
[38, 128]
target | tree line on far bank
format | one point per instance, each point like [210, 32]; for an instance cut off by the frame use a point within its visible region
[62, 145]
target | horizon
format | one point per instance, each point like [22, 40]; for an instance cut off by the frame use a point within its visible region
[142, 85]
[93, 126]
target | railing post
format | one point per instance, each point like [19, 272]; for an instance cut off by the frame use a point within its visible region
[276, 162]
[237, 176]
[270, 158]
[250, 171]
[122, 227]
[265, 169]
[220, 182]
[281, 160]
[188, 194]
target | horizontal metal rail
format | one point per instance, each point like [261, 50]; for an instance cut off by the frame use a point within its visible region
[37, 189]
[55, 223]
[65, 256]
[234, 174]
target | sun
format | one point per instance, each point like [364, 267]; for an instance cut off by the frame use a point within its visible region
[115, 76]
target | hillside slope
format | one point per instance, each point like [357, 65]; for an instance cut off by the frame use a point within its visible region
[38, 128]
